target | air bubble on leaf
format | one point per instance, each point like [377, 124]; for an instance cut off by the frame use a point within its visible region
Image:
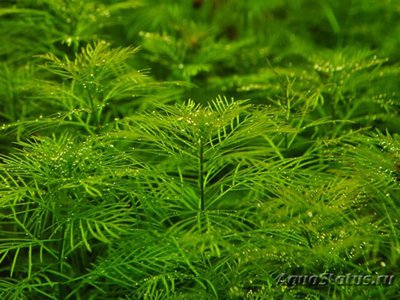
[69, 41]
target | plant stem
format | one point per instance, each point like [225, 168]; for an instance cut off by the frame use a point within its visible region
[307, 235]
[201, 175]
[96, 118]
[61, 287]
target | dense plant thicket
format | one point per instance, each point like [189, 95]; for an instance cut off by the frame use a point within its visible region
[198, 149]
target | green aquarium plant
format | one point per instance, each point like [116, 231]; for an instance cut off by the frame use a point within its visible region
[199, 149]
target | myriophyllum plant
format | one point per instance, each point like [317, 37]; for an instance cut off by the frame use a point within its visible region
[204, 155]
[100, 83]
[186, 175]
[187, 201]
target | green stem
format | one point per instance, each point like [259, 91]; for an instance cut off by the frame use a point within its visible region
[201, 175]
[96, 117]
[307, 235]
[61, 287]
[288, 111]
[286, 142]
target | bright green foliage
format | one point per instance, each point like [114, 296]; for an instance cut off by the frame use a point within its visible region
[113, 185]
